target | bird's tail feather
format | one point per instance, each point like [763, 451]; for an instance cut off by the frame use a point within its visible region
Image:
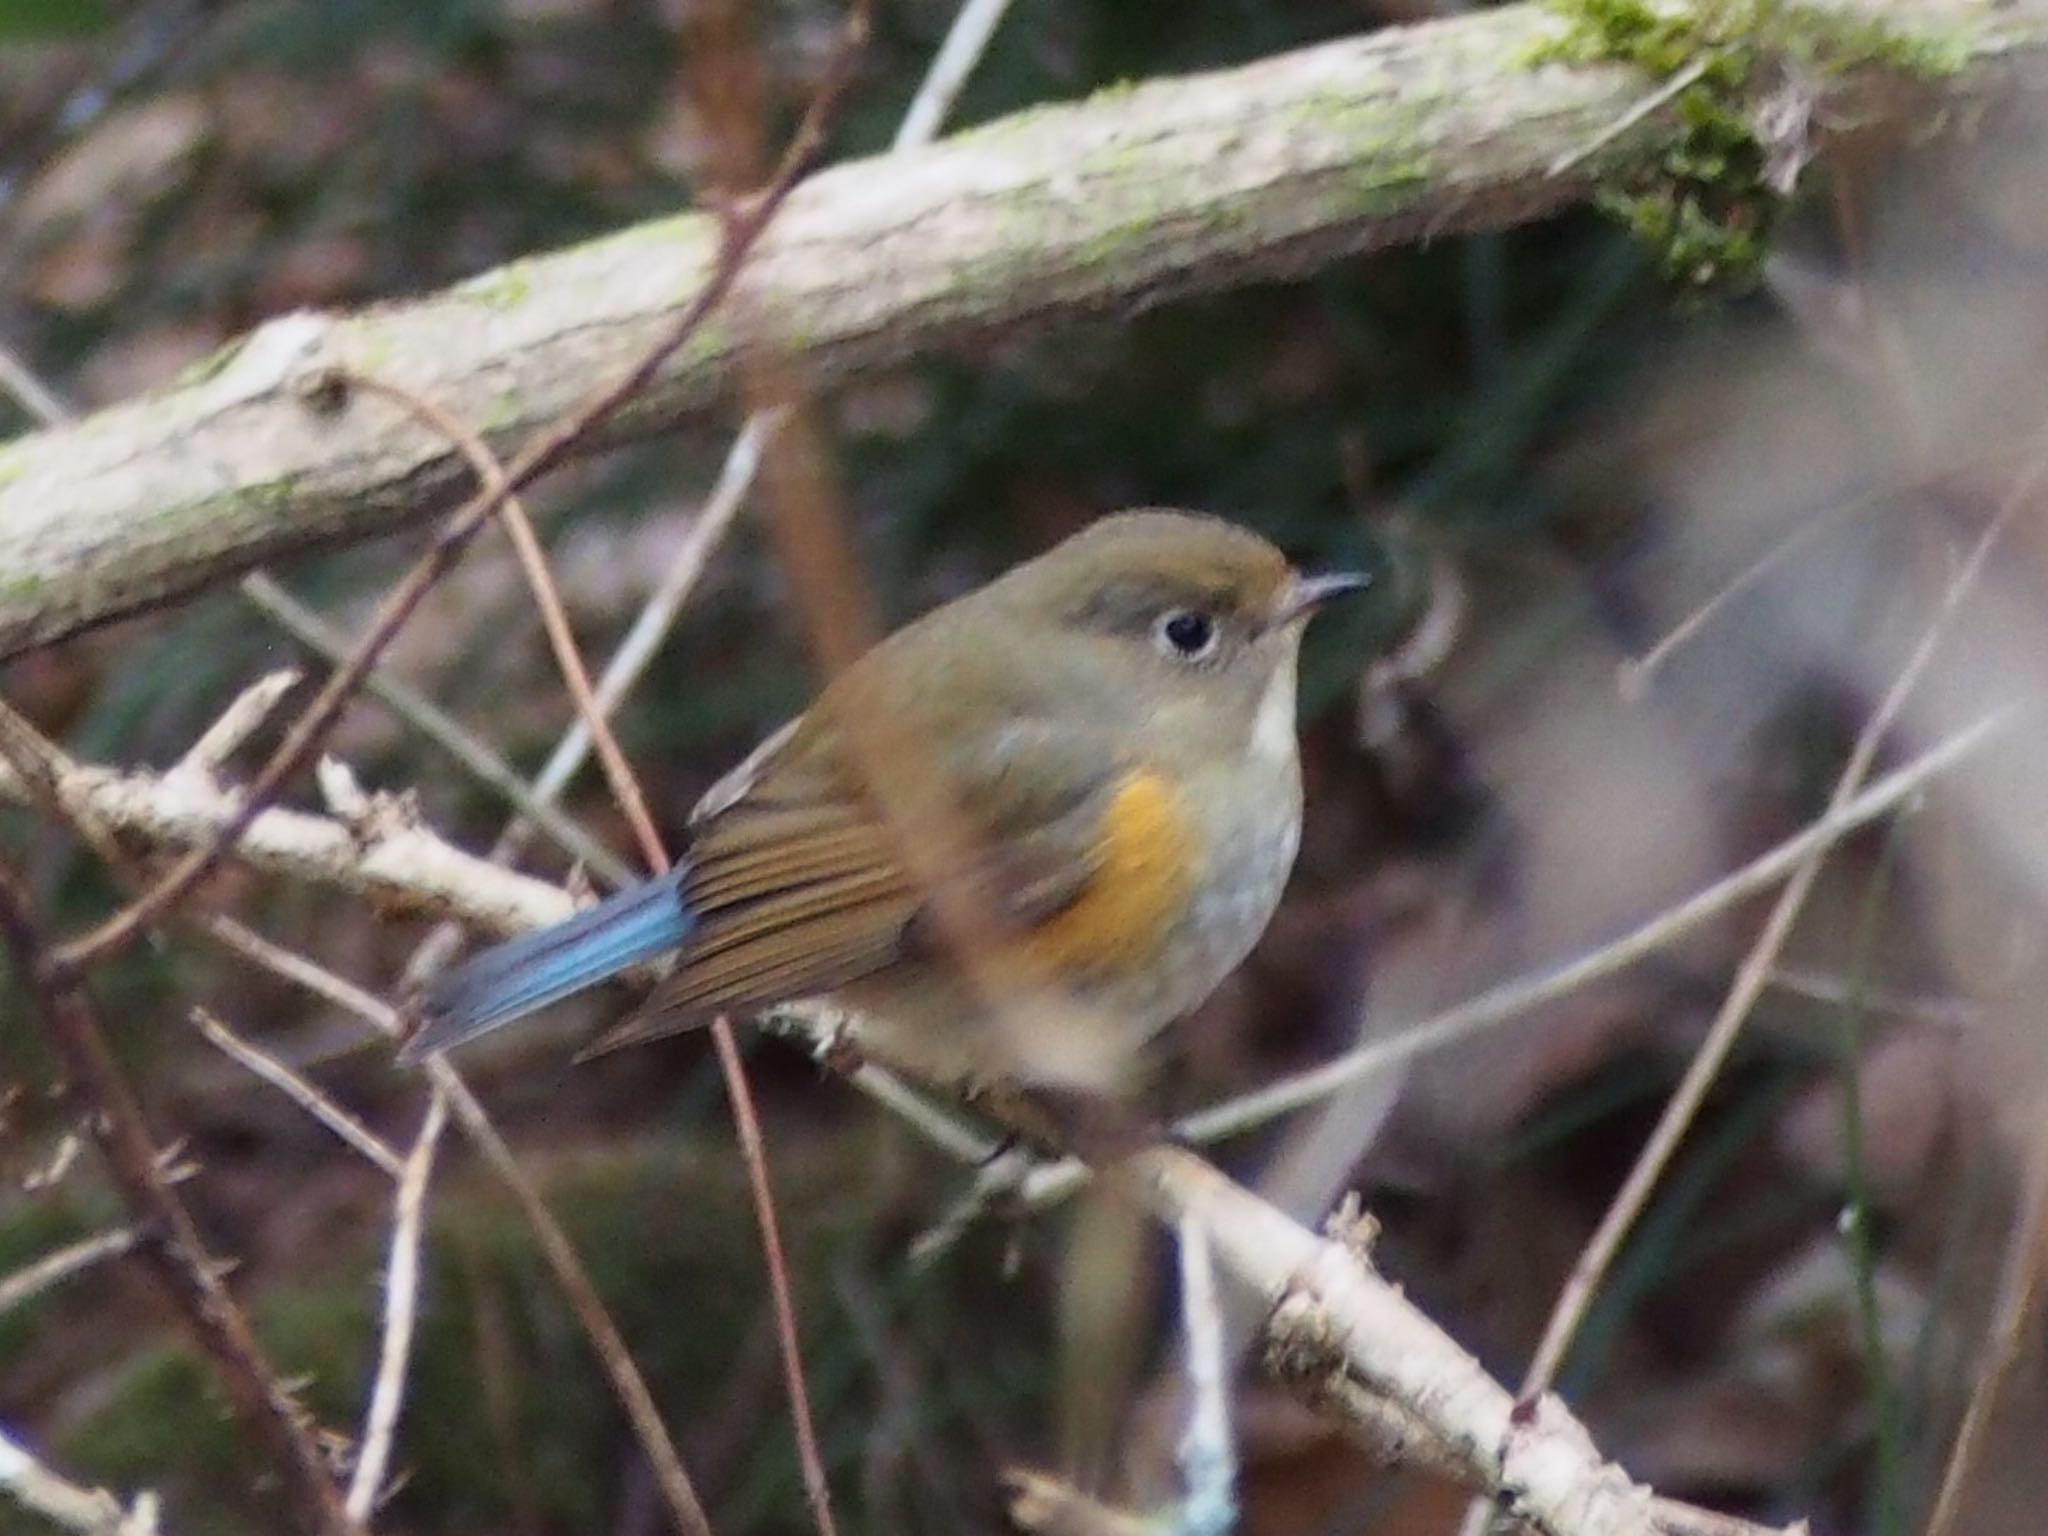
[526, 974]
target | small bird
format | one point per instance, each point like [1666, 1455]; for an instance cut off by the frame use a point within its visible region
[1110, 725]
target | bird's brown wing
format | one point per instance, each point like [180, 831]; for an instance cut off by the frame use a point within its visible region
[799, 887]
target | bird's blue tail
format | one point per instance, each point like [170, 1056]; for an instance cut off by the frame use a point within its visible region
[526, 974]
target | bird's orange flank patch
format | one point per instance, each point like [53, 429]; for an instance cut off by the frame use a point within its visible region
[1145, 869]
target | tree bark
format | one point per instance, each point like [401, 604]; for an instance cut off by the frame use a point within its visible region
[1134, 196]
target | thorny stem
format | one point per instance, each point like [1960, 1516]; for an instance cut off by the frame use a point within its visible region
[171, 1246]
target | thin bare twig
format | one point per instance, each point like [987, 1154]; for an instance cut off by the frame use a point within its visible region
[652, 624]
[88, 1511]
[1641, 109]
[1948, 1013]
[439, 727]
[1754, 974]
[575, 1281]
[754, 1149]
[59, 1265]
[2016, 1301]
[301, 1092]
[28, 389]
[966, 40]
[491, 477]
[173, 1251]
[401, 1298]
[295, 967]
[1633, 675]
[1512, 999]
[236, 724]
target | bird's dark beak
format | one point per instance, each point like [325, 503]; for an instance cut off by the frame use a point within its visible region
[1305, 594]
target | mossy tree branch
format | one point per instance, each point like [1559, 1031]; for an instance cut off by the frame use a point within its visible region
[1135, 196]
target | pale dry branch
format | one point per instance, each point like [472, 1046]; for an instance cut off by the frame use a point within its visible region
[294, 967]
[54, 1268]
[28, 389]
[401, 1308]
[1533, 1458]
[1945, 1013]
[236, 724]
[306, 1095]
[966, 40]
[400, 865]
[1141, 194]
[658, 615]
[87, 1511]
[2015, 1309]
[1047, 1505]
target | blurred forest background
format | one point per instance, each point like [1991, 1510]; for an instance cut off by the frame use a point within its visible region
[1553, 455]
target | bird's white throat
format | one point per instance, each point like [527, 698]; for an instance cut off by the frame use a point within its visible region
[1273, 725]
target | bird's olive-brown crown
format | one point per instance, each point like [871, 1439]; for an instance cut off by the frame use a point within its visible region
[1193, 586]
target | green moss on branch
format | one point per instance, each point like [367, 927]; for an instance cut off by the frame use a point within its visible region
[1710, 205]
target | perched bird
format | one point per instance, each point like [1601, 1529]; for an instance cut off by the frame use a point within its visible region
[1110, 725]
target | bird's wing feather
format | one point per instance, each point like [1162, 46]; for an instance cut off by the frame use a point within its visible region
[799, 889]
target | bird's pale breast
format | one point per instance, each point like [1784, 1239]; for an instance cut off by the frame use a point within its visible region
[1191, 873]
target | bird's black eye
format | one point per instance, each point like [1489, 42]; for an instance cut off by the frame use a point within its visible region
[1187, 634]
